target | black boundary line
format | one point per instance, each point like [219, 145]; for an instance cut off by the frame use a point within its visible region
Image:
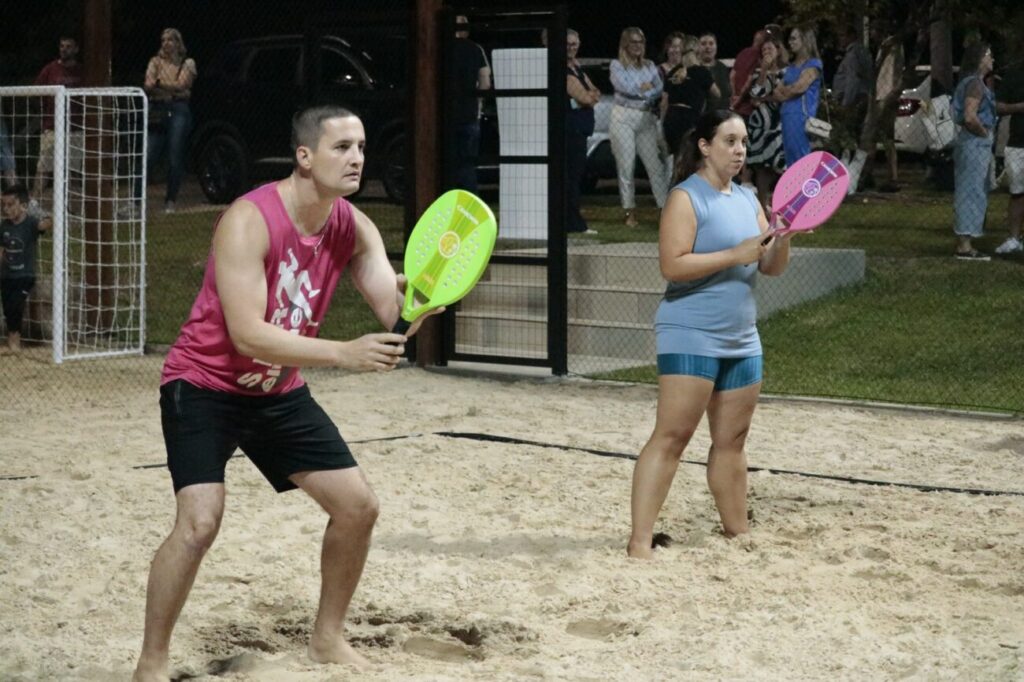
[827, 477]
[490, 438]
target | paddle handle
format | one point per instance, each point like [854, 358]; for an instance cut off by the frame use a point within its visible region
[401, 326]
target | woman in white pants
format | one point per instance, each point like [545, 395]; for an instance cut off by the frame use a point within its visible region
[634, 127]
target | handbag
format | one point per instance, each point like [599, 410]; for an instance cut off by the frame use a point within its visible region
[159, 116]
[160, 113]
[815, 127]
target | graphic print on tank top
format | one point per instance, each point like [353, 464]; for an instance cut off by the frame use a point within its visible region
[293, 294]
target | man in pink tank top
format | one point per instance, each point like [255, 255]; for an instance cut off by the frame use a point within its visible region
[231, 380]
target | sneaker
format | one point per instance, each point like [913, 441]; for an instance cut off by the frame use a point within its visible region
[589, 231]
[971, 254]
[1011, 245]
[169, 207]
[631, 219]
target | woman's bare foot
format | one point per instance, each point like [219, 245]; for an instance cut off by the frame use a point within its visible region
[145, 673]
[335, 651]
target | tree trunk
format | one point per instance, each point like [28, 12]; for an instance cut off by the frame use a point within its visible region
[941, 34]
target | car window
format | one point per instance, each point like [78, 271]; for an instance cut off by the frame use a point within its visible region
[228, 64]
[337, 69]
[275, 66]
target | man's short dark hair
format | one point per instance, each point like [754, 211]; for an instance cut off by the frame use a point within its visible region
[707, 33]
[17, 190]
[306, 124]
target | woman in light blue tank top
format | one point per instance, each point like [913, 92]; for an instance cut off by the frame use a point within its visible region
[713, 241]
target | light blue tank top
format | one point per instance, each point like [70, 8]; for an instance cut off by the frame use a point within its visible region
[716, 314]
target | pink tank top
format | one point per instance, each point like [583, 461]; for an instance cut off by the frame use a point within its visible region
[301, 272]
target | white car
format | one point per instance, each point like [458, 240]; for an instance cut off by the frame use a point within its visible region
[924, 124]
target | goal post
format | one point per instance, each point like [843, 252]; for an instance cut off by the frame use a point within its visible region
[82, 154]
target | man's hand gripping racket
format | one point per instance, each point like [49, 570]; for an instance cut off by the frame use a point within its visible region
[448, 251]
[808, 193]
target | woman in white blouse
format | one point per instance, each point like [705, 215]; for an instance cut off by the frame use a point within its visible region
[634, 127]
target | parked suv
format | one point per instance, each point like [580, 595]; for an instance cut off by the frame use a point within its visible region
[245, 97]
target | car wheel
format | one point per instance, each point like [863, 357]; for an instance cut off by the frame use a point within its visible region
[223, 169]
[394, 172]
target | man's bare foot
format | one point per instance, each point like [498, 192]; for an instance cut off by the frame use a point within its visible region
[335, 650]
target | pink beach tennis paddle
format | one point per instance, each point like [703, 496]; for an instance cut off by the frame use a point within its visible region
[808, 193]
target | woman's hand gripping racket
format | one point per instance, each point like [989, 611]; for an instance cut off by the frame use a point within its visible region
[447, 253]
[808, 193]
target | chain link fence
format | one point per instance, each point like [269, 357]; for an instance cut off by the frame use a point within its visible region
[892, 300]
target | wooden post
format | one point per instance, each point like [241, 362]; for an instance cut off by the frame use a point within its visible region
[425, 142]
[98, 190]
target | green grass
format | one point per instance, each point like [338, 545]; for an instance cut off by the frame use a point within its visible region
[922, 328]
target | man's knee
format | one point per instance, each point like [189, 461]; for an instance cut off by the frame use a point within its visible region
[361, 509]
[199, 531]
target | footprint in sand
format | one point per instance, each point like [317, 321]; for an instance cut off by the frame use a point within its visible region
[441, 651]
[598, 629]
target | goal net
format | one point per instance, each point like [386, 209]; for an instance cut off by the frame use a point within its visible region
[81, 154]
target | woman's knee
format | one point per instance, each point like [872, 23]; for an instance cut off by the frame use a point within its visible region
[674, 439]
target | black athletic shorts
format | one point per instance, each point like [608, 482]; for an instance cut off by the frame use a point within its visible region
[281, 434]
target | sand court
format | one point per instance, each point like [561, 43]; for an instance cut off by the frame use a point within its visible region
[496, 560]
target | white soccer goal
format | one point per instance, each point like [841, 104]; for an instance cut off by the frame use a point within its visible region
[82, 154]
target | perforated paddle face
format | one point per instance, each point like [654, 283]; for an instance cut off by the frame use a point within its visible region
[447, 252]
[809, 192]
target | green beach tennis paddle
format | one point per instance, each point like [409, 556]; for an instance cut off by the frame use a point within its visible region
[447, 253]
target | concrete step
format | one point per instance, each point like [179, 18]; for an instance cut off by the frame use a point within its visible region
[528, 333]
[592, 264]
[604, 302]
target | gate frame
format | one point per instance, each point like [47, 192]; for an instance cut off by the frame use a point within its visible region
[554, 21]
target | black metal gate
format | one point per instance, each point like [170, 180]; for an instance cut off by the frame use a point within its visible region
[517, 314]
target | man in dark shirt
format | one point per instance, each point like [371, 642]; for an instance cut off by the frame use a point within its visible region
[19, 235]
[707, 52]
[471, 72]
[1010, 99]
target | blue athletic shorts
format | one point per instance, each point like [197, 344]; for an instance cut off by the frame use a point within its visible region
[727, 373]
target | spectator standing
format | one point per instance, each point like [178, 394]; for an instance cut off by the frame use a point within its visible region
[742, 75]
[765, 153]
[798, 93]
[707, 55]
[472, 72]
[689, 86]
[583, 97]
[851, 86]
[7, 164]
[671, 56]
[633, 128]
[67, 71]
[19, 236]
[169, 78]
[852, 80]
[1011, 89]
[888, 85]
[975, 109]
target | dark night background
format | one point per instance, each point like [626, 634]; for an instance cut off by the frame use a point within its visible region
[29, 30]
